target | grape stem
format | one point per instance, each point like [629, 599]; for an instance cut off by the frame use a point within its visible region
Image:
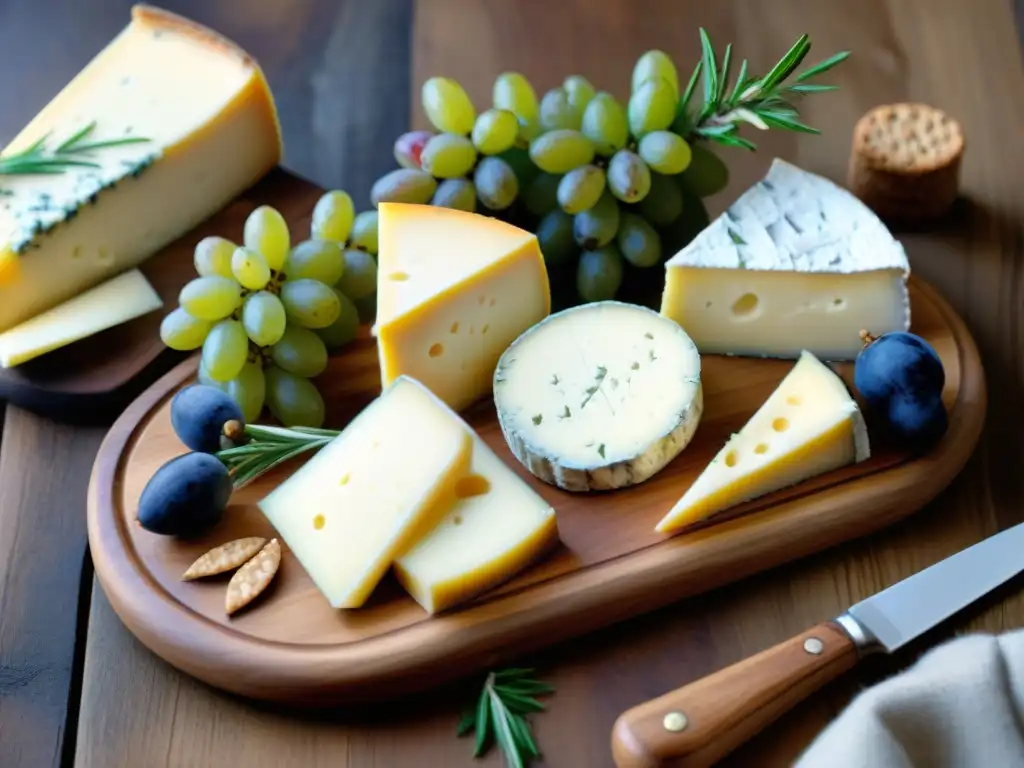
[867, 338]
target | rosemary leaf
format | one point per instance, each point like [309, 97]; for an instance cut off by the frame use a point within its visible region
[483, 722]
[518, 702]
[528, 687]
[823, 66]
[684, 102]
[723, 75]
[500, 717]
[735, 141]
[811, 88]
[785, 66]
[710, 131]
[522, 733]
[778, 120]
[710, 68]
[741, 82]
[466, 723]
[513, 672]
[36, 160]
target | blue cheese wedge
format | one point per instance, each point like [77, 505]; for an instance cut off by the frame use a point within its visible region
[599, 396]
[795, 263]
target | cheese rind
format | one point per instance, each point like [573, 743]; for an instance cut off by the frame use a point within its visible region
[599, 396]
[795, 263]
[498, 526]
[372, 492]
[810, 425]
[454, 290]
[211, 122]
[123, 298]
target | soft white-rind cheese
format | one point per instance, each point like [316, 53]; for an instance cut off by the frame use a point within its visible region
[599, 396]
[795, 263]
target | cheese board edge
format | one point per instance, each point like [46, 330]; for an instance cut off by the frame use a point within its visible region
[498, 630]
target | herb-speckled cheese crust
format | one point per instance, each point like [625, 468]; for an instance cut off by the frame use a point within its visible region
[600, 396]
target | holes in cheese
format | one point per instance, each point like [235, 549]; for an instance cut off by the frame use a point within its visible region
[599, 396]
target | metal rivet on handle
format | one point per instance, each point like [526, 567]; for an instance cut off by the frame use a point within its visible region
[675, 722]
[813, 645]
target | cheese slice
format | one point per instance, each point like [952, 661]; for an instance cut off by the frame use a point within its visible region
[212, 131]
[372, 492]
[125, 297]
[454, 289]
[795, 263]
[599, 396]
[810, 425]
[498, 527]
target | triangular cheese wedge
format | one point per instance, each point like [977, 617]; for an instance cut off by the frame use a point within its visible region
[810, 425]
[454, 289]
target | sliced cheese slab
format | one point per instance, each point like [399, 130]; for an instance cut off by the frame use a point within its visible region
[454, 289]
[599, 396]
[497, 527]
[212, 131]
[372, 492]
[116, 301]
[795, 263]
[810, 425]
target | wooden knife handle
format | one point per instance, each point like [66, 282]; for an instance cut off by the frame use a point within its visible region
[700, 723]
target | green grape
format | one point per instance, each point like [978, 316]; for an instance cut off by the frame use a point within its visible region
[225, 350]
[367, 308]
[629, 178]
[495, 131]
[213, 257]
[707, 174]
[250, 269]
[309, 303]
[300, 351]
[655, 65]
[364, 232]
[664, 152]
[604, 123]
[597, 226]
[513, 92]
[580, 92]
[249, 389]
[360, 276]
[263, 318]
[652, 107]
[408, 148]
[561, 151]
[448, 156]
[316, 259]
[557, 113]
[180, 331]
[496, 184]
[555, 236]
[527, 131]
[518, 159]
[403, 185]
[580, 188]
[344, 329]
[294, 401]
[332, 217]
[599, 274]
[266, 232]
[663, 203]
[541, 194]
[211, 298]
[638, 242]
[205, 378]
[448, 106]
[459, 194]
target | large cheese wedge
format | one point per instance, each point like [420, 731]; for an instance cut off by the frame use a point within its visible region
[599, 396]
[372, 492]
[454, 289]
[212, 131]
[810, 425]
[795, 263]
[498, 526]
[120, 299]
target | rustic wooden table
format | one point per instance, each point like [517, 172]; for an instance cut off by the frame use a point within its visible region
[77, 689]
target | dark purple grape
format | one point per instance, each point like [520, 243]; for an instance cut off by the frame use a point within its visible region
[186, 496]
[198, 415]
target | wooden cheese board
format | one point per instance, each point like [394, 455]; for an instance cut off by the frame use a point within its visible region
[611, 565]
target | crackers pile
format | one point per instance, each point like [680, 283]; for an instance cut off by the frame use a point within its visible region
[905, 163]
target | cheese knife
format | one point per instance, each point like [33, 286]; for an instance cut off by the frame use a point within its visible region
[700, 723]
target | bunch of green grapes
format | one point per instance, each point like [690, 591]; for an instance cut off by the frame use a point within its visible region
[266, 314]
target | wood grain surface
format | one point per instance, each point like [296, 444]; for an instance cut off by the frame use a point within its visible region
[345, 74]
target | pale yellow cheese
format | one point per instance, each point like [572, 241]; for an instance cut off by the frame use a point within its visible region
[454, 289]
[810, 425]
[205, 107]
[496, 528]
[383, 483]
[123, 298]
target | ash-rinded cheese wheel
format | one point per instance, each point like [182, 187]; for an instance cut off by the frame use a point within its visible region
[600, 396]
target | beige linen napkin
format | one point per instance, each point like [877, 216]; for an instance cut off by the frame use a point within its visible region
[961, 705]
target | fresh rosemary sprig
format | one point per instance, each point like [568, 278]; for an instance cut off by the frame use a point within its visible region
[37, 159]
[499, 714]
[764, 102]
[260, 448]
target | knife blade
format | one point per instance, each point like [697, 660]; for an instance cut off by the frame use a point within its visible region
[700, 723]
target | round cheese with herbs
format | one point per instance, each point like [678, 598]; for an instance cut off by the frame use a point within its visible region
[599, 396]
